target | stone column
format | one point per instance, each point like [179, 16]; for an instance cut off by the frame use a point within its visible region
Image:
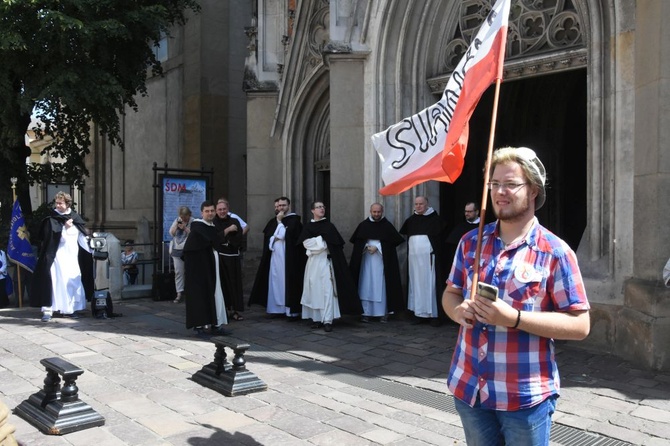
[652, 141]
[265, 169]
[643, 333]
[214, 130]
[347, 141]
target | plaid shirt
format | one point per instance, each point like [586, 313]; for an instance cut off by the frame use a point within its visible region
[509, 368]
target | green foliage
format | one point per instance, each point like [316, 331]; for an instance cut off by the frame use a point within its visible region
[75, 62]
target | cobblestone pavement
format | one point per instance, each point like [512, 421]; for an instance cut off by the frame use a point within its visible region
[361, 384]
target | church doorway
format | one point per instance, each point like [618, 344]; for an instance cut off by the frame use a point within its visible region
[548, 114]
[323, 188]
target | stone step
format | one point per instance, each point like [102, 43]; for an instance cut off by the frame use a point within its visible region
[135, 291]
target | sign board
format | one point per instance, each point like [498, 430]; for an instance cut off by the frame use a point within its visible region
[181, 190]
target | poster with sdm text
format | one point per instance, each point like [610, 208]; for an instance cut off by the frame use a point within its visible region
[181, 191]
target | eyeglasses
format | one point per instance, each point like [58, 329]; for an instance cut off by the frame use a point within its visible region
[509, 186]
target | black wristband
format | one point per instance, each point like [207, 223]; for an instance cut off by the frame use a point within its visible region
[518, 319]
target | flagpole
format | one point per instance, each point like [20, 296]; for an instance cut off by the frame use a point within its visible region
[482, 207]
[18, 267]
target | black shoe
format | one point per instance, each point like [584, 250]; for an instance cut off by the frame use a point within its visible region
[327, 328]
[201, 333]
[71, 316]
[316, 325]
[292, 318]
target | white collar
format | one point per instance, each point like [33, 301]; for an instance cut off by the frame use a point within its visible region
[429, 211]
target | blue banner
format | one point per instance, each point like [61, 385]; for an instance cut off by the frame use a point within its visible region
[19, 249]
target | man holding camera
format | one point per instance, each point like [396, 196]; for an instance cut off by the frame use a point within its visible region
[179, 231]
[503, 374]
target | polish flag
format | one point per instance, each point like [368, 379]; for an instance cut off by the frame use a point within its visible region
[431, 145]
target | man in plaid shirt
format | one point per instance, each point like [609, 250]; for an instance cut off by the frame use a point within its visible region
[503, 373]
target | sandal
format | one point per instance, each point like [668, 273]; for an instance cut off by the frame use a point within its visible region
[237, 316]
[177, 299]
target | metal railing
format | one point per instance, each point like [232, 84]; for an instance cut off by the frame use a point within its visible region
[145, 264]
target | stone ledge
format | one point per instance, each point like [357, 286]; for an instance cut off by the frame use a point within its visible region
[648, 297]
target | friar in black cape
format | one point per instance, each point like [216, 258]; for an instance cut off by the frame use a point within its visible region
[425, 231]
[231, 239]
[471, 222]
[50, 234]
[371, 234]
[204, 297]
[326, 262]
[278, 283]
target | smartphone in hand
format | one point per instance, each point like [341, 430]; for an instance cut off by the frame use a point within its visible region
[487, 291]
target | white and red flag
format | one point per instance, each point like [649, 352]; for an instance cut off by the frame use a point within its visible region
[431, 145]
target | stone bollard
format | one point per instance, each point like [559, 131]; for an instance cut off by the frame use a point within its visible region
[230, 379]
[57, 410]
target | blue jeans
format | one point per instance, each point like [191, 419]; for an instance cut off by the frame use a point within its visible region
[525, 427]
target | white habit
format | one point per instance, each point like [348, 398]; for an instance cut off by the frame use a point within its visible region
[371, 283]
[421, 260]
[219, 302]
[277, 277]
[68, 291]
[319, 296]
